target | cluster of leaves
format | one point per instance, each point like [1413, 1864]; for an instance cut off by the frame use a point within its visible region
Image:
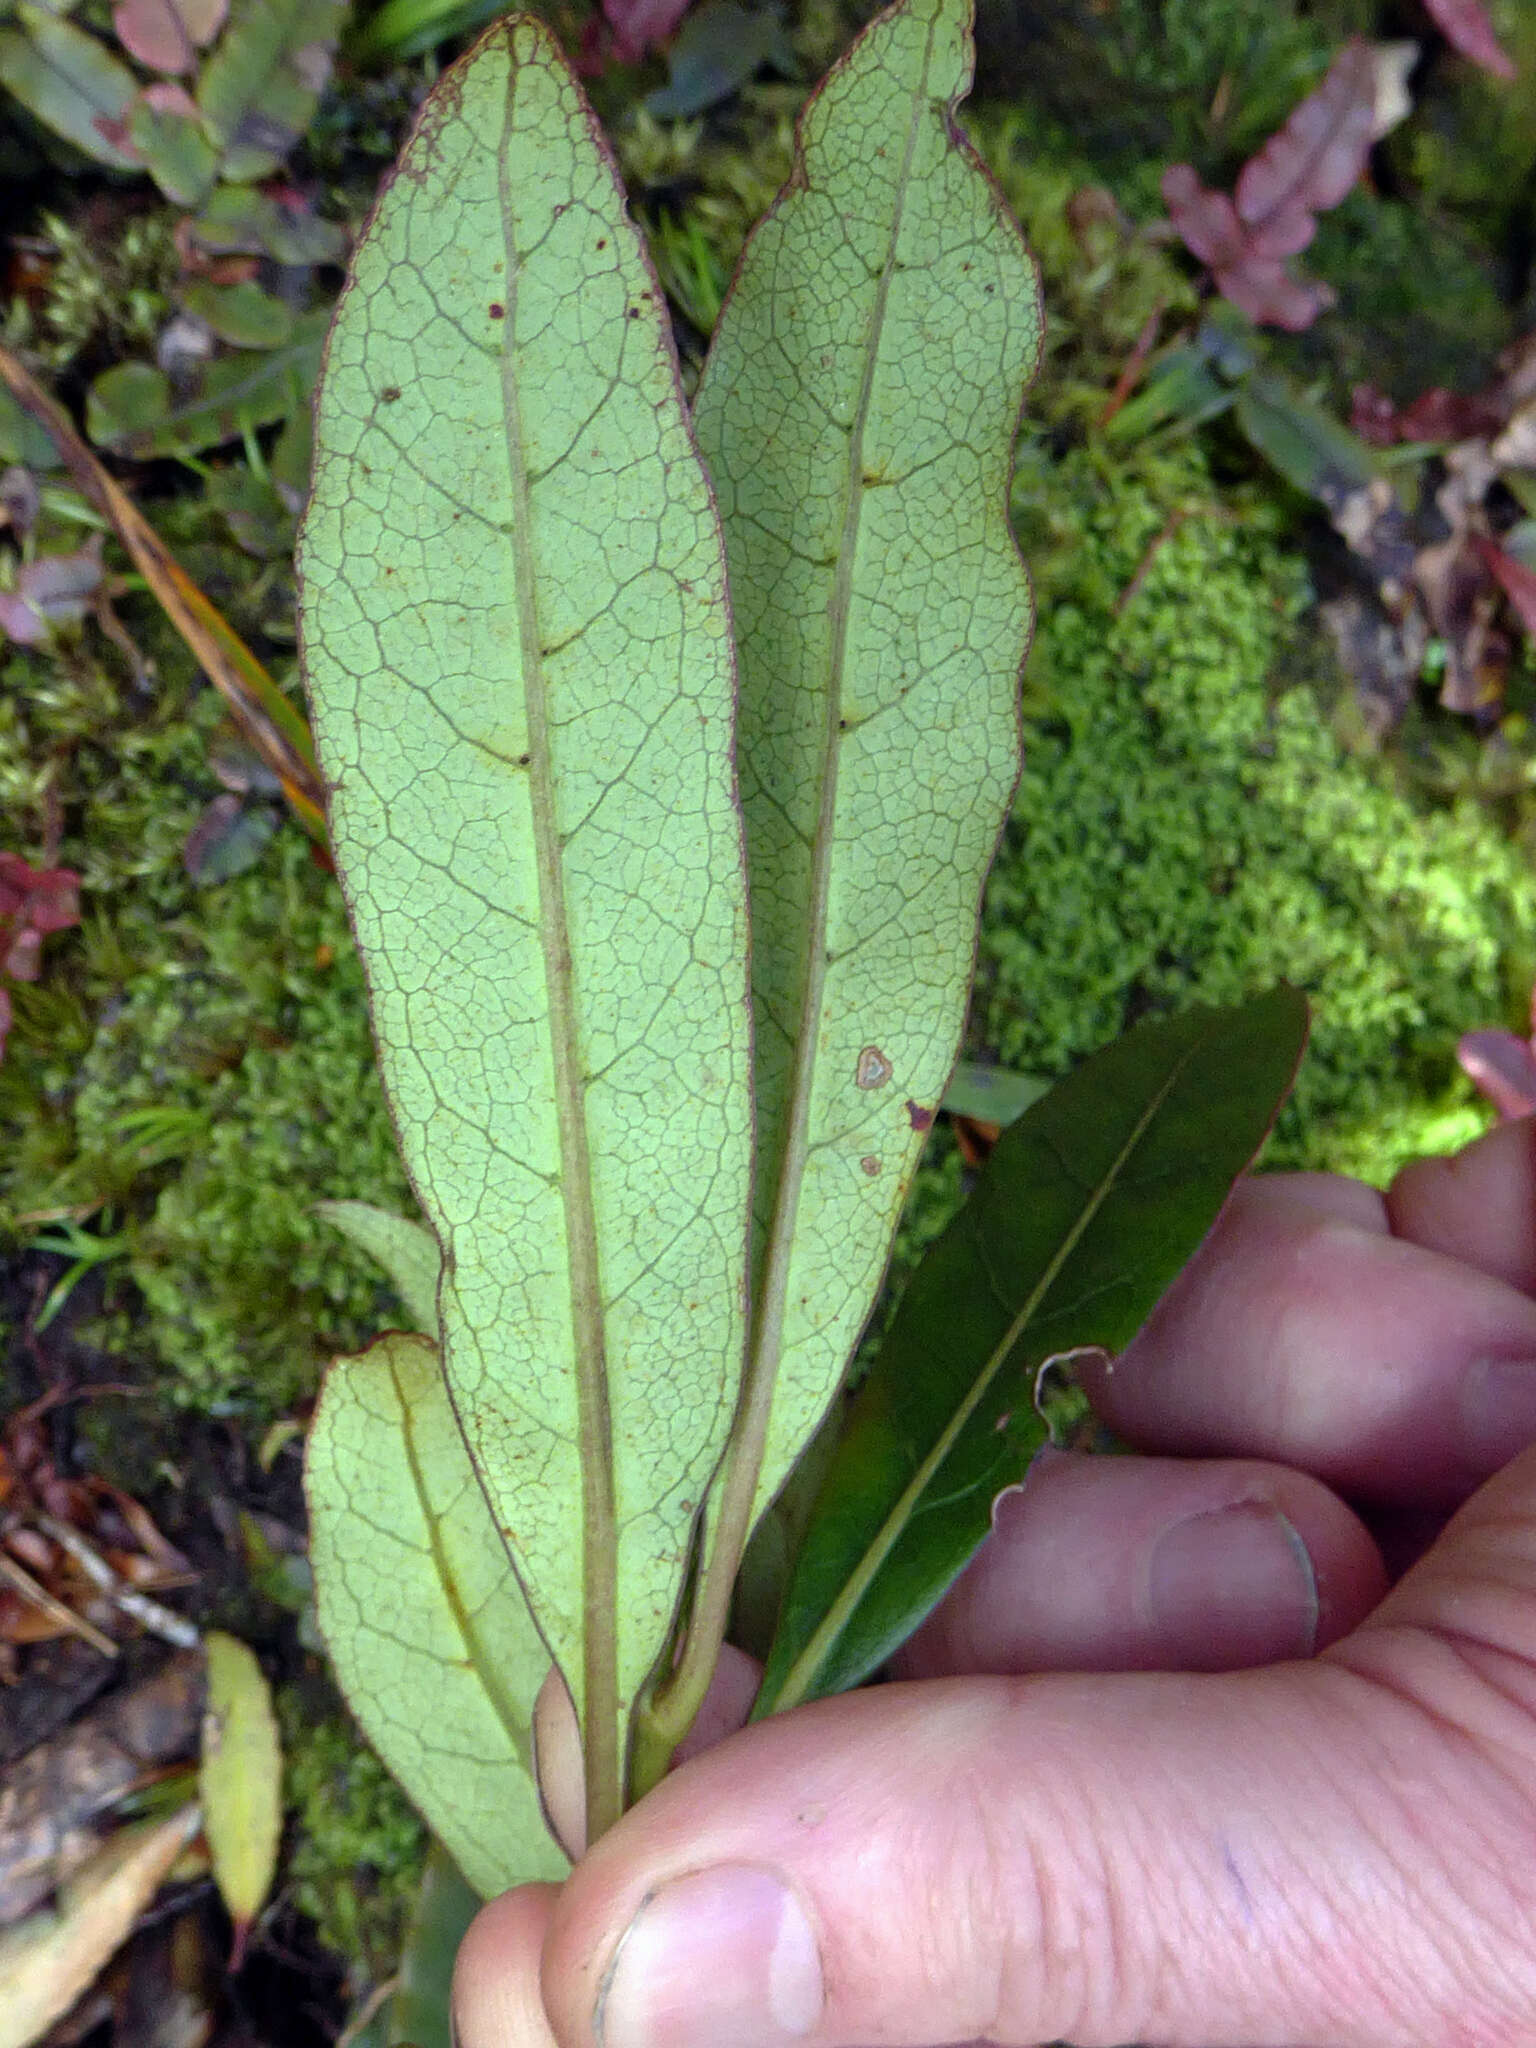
[1440, 565]
[213, 128]
[662, 1421]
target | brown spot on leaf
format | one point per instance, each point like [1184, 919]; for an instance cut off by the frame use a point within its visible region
[874, 1069]
[497, 310]
[870, 1164]
[920, 1119]
[390, 393]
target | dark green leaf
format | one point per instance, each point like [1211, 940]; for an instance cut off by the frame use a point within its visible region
[991, 1095]
[1088, 1208]
[132, 410]
[71, 82]
[238, 221]
[1309, 447]
[718, 48]
[164, 128]
[241, 314]
[259, 89]
[22, 438]
[125, 403]
[445, 1905]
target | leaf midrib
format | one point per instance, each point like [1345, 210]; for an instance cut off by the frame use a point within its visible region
[762, 1370]
[599, 1564]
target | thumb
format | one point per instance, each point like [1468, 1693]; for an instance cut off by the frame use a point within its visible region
[1334, 1852]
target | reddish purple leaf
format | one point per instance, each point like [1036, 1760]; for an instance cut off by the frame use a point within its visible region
[33, 902]
[1503, 1068]
[640, 25]
[1274, 296]
[1318, 156]
[48, 899]
[166, 35]
[1207, 221]
[1466, 27]
[54, 590]
[1516, 581]
[1435, 415]
[1314, 160]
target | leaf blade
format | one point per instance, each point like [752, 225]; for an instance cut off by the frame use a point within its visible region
[407, 1251]
[581, 1142]
[415, 1603]
[240, 1781]
[866, 877]
[1138, 1146]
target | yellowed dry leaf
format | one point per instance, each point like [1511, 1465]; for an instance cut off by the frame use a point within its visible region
[241, 1780]
[50, 1958]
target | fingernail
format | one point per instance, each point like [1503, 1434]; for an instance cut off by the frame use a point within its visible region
[722, 1959]
[1498, 1410]
[1231, 1589]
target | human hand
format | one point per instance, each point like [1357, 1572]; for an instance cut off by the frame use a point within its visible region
[1082, 1818]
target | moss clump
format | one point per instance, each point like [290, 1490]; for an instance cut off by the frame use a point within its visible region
[356, 1847]
[1143, 83]
[1187, 827]
[1387, 328]
[256, 1031]
[195, 1069]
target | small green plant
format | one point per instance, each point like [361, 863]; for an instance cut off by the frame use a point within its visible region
[597, 688]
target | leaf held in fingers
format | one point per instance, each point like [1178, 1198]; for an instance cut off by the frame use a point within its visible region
[857, 412]
[423, 1616]
[71, 82]
[407, 1251]
[517, 644]
[240, 1780]
[1089, 1206]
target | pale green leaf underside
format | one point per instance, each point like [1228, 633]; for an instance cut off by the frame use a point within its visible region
[858, 413]
[429, 1630]
[408, 1253]
[517, 645]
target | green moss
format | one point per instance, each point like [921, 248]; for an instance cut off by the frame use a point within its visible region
[1389, 326]
[107, 291]
[195, 1069]
[257, 1030]
[1188, 827]
[1143, 83]
[356, 1847]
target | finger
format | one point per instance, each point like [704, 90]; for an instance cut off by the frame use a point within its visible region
[1153, 1564]
[496, 2001]
[1302, 1334]
[1478, 1206]
[1334, 1851]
